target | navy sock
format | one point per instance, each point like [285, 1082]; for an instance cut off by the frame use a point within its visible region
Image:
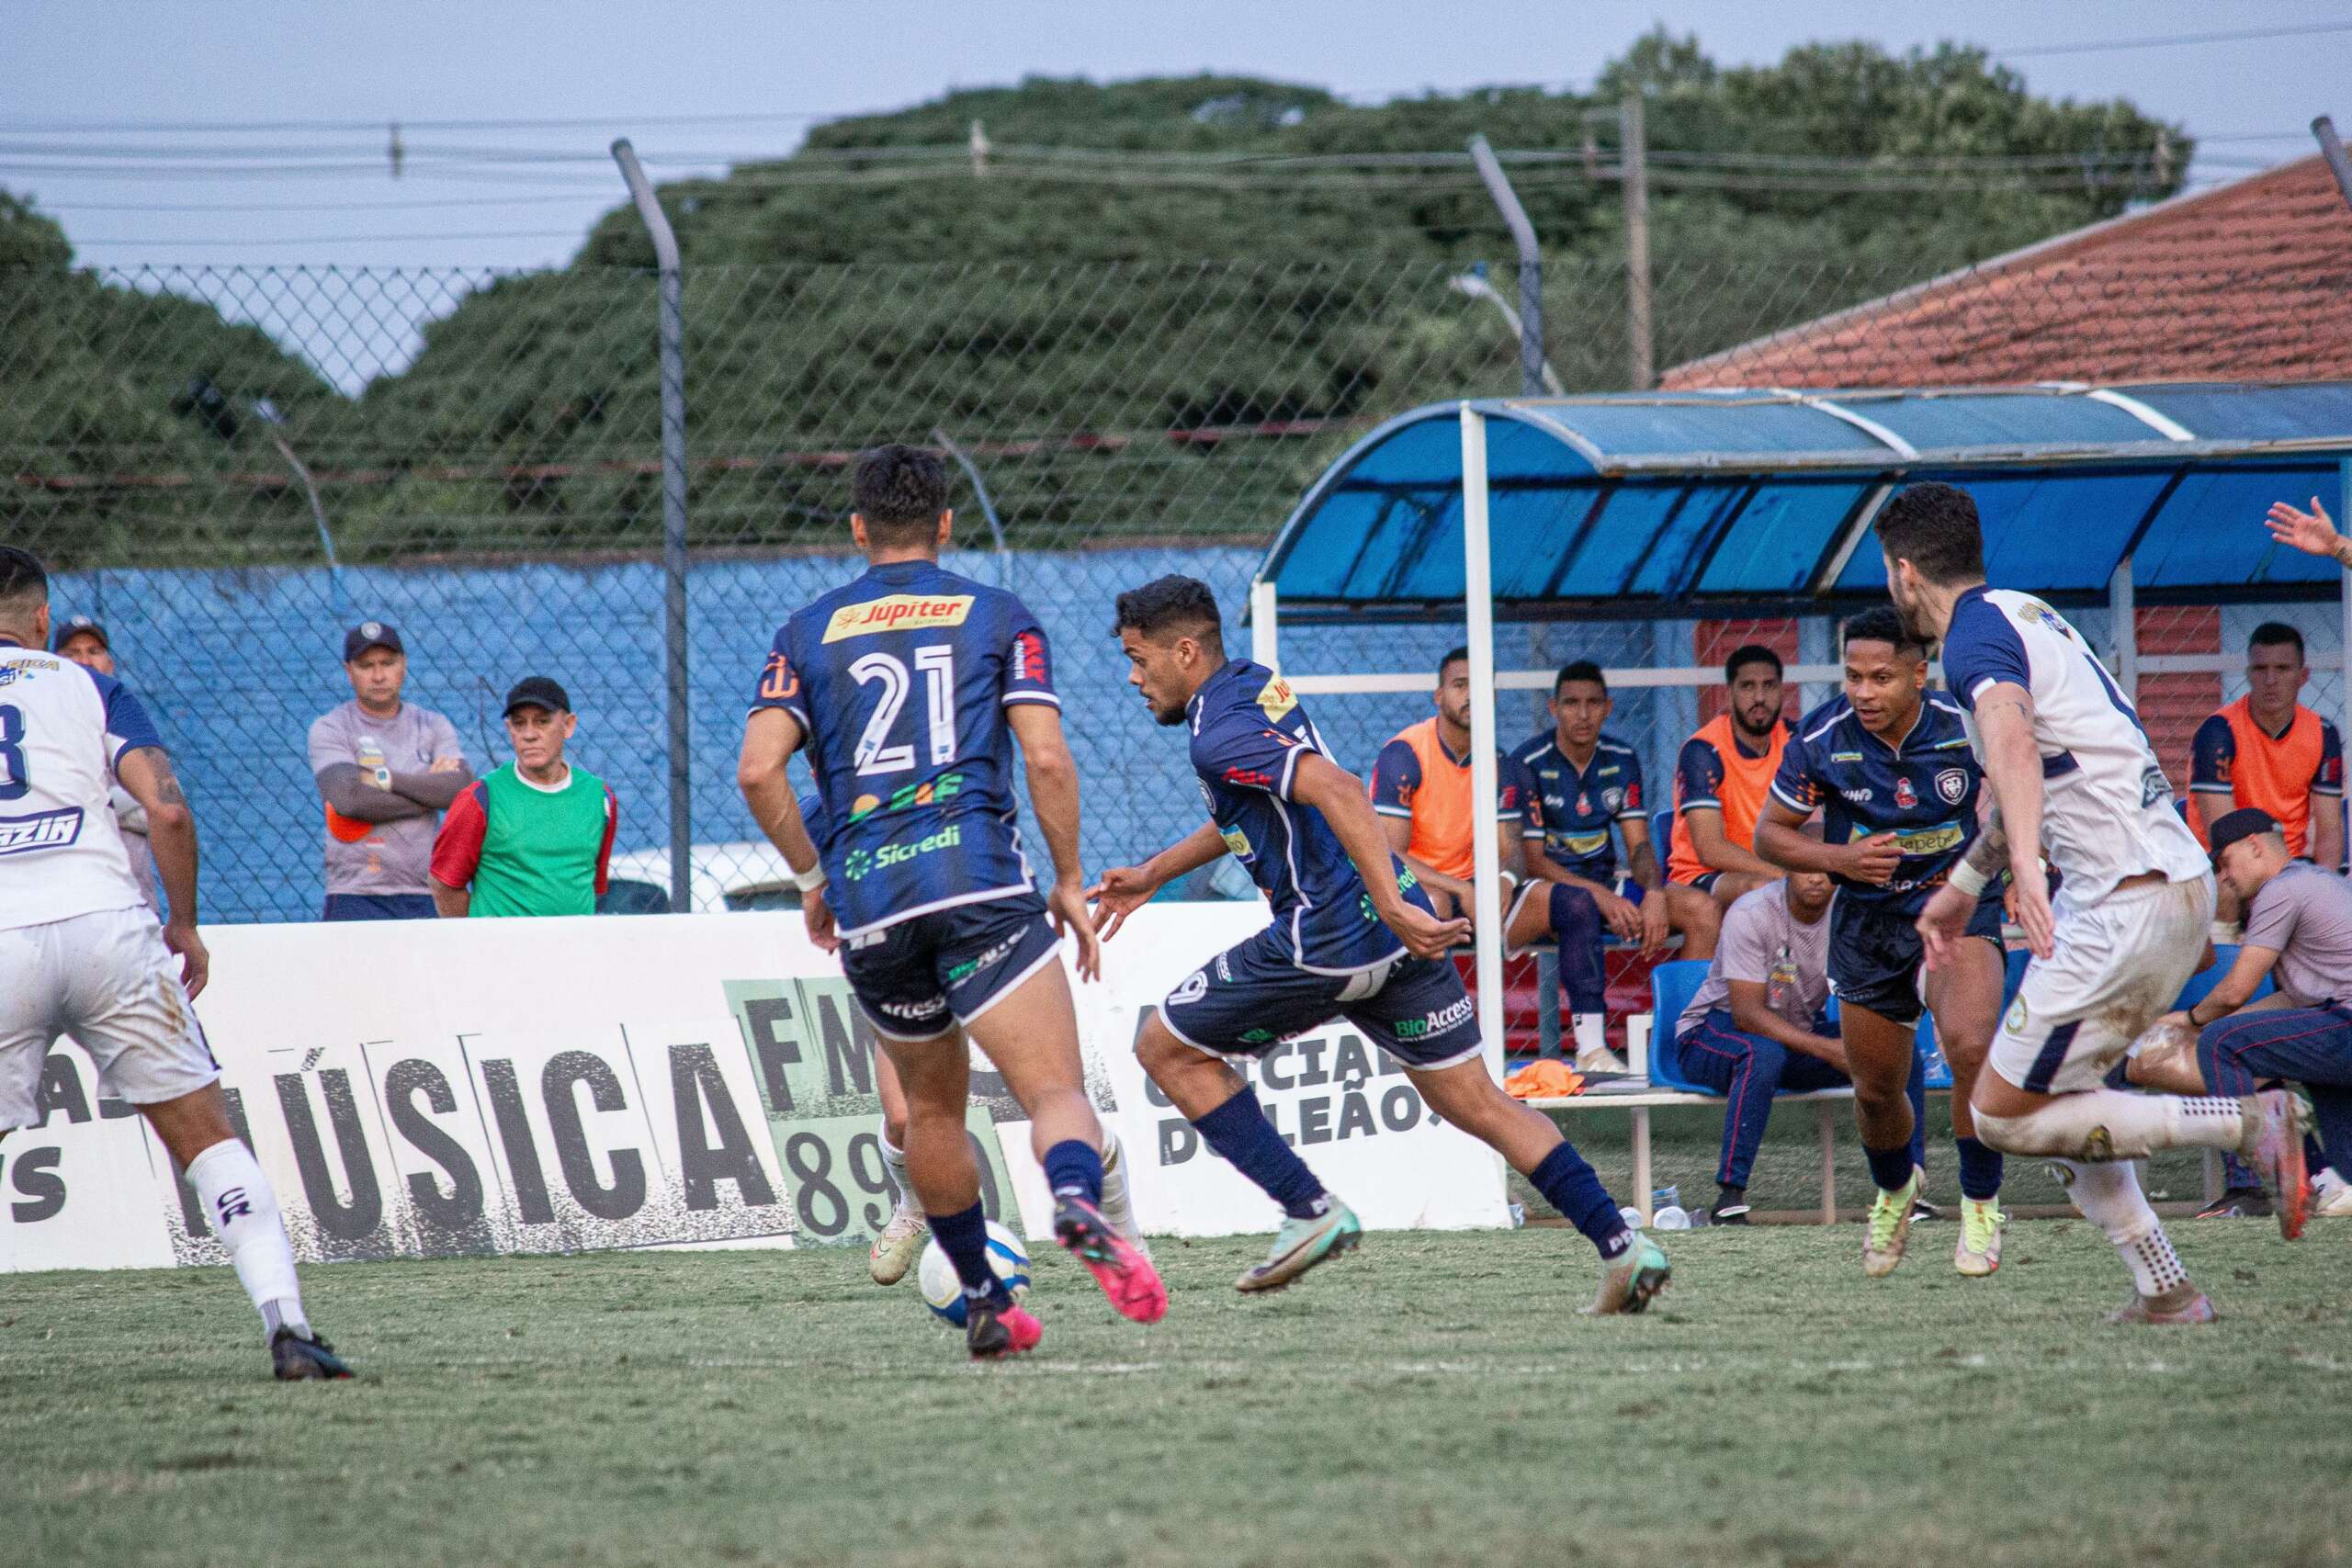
[1980, 1169]
[1568, 1184]
[964, 1237]
[1889, 1167]
[1576, 926]
[1240, 1134]
[1074, 1170]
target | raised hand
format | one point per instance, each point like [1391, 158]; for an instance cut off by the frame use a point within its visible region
[2313, 532]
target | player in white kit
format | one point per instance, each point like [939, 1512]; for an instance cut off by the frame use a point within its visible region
[81, 955]
[2073, 775]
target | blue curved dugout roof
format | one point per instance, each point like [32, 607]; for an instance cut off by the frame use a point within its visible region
[1648, 504]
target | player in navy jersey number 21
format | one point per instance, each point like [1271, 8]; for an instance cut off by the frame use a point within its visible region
[909, 686]
[1353, 937]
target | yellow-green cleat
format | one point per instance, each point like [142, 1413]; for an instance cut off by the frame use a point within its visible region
[1630, 1281]
[1981, 1223]
[1889, 1228]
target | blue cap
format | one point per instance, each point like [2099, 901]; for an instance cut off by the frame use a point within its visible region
[72, 626]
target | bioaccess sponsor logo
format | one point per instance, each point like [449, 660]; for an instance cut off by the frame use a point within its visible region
[898, 613]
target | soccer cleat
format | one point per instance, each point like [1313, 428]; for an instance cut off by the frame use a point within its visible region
[2331, 1194]
[1889, 1229]
[993, 1329]
[294, 1358]
[1632, 1279]
[2277, 1155]
[1300, 1244]
[1125, 1275]
[2184, 1303]
[896, 1249]
[2238, 1203]
[1979, 1252]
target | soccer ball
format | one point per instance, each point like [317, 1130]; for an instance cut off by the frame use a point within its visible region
[942, 1292]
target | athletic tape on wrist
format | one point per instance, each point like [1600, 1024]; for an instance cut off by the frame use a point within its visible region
[1970, 880]
[810, 880]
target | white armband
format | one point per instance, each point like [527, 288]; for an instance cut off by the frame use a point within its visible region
[1970, 880]
[810, 880]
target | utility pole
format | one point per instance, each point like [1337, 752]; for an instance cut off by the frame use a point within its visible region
[979, 145]
[1633, 166]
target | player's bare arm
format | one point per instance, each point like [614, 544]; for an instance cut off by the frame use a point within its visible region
[1398, 831]
[1053, 794]
[1124, 889]
[1781, 839]
[146, 771]
[1716, 850]
[2013, 771]
[1641, 862]
[2327, 830]
[1323, 786]
[354, 792]
[2313, 532]
[1752, 1013]
[770, 737]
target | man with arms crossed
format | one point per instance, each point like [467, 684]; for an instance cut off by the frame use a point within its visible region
[909, 686]
[1588, 790]
[1720, 781]
[1353, 937]
[2298, 929]
[1891, 770]
[81, 955]
[386, 770]
[2073, 775]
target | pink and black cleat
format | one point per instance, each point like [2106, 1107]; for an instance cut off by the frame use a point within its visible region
[991, 1332]
[1119, 1265]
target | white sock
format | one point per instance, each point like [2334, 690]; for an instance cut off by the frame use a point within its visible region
[2104, 1124]
[242, 1207]
[2109, 1196]
[894, 1160]
[1118, 1201]
[1591, 1031]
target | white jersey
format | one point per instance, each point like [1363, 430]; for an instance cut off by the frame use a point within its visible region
[63, 729]
[2108, 811]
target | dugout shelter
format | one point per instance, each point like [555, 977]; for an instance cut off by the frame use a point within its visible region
[1759, 502]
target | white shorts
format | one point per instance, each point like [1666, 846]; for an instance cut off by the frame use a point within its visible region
[108, 981]
[2119, 966]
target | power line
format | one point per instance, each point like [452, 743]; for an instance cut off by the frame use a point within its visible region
[2241, 36]
[346, 239]
[329, 206]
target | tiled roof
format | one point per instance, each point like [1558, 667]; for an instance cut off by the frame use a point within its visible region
[2252, 280]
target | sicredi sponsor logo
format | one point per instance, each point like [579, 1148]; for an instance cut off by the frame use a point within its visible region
[898, 613]
[857, 863]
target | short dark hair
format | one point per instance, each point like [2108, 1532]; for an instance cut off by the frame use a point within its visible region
[21, 574]
[1181, 604]
[2276, 634]
[1454, 656]
[1935, 527]
[1882, 624]
[901, 492]
[1748, 654]
[1579, 669]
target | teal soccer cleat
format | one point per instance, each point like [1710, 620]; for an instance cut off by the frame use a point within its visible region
[1300, 1244]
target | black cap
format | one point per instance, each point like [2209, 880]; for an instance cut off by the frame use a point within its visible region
[72, 626]
[536, 692]
[371, 634]
[2246, 822]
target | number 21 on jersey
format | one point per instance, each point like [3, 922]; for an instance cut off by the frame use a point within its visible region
[876, 752]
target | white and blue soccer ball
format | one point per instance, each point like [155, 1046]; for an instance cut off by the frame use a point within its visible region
[942, 1292]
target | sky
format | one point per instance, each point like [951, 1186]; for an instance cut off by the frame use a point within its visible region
[698, 86]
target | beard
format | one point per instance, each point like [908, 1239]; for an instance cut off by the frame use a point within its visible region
[1168, 718]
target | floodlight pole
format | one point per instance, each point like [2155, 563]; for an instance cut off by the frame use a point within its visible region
[1532, 367]
[674, 518]
[2330, 147]
[1479, 586]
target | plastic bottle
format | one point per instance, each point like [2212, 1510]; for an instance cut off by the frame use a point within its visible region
[1665, 1198]
[1673, 1218]
[1632, 1216]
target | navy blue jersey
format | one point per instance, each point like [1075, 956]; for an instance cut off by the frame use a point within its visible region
[1248, 735]
[1924, 791]
[1579, 808]
[901, 681]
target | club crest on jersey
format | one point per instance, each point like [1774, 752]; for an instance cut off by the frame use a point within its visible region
[1904, 795]
[898, 613]
[1952, 784]
[1611, 798]
[1274, 698]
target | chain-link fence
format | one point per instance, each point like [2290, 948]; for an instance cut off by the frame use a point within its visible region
[229, 466]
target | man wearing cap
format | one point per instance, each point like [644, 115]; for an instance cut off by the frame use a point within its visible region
[84, 641]
[384, 769]
[534, 837]
[2299, 932]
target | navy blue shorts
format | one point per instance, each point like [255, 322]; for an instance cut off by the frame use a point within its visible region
[1251, 996]
[1704, 882]
[380, 906]
[919, 977]
[1875, 953]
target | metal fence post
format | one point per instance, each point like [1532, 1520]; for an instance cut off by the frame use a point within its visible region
[1532, 368]
[673, 519]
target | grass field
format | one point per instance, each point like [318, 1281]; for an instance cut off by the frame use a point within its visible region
[1433, 1401]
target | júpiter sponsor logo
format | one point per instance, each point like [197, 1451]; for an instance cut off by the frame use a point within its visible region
[898, 613]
